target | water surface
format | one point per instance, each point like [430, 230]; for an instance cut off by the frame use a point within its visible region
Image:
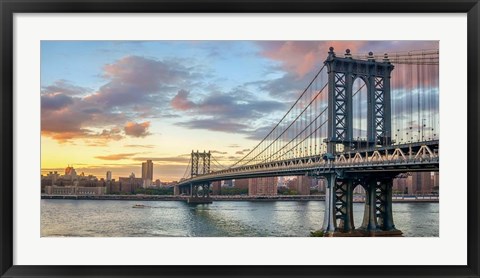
[90, 218]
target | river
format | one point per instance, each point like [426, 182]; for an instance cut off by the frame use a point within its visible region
[90, 218]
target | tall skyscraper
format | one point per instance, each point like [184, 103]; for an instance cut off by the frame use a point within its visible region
[109, 175]
[147, 173]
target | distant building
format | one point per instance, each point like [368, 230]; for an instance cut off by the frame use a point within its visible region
[147, 173]
[263, 186]
[228, 183]
[241, 183]
[126, 185]
[300, 185]
[416, 183]
[70, 173]
[281, 182]
[400, 185]
[304, 183]
[216, 188]
[435, 181]
[74, 190]
[109, 175]
[321, 185]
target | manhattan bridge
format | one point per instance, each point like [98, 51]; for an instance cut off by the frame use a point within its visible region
[363, 120]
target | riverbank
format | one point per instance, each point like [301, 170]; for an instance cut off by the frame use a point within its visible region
[139, 197]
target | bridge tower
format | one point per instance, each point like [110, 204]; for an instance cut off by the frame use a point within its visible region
[342, 73]
[200, 163]
[199, 192]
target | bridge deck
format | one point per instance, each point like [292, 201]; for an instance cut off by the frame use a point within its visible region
[422, 156]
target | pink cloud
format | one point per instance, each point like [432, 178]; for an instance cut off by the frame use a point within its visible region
[137, 129]
[301, 57]
[181, 101]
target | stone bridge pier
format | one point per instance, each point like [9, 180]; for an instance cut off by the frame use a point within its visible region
[377, 215]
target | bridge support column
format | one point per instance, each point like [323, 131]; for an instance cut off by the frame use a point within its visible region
[329, 219]
[200, 197]
[176, 190]
[344, 205]
[369, 223]
[338, 205]
[384, 206]
[378, 214]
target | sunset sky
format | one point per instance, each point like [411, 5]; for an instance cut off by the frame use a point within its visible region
[110, 105]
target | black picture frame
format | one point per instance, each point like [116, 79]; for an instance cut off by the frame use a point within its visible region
[10, 7]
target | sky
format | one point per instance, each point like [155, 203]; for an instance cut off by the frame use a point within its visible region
[110, 105]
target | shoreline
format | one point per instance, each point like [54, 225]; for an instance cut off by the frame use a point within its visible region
[418, 199]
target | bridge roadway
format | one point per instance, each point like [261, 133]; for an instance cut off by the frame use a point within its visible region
[401, 158]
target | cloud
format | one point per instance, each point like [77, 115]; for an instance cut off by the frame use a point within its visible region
[135, 80]
[301, 57]
[233, 112]
[55, 101]
[64, 118]
[135, 88]
[174, 159]
[139, 146]
[215, 125]
[64, 87]
[137, 129]
[118, 156]
[219, 152]
[181, 102]
[242, 152]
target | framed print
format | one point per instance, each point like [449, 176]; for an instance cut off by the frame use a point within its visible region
[165, 139]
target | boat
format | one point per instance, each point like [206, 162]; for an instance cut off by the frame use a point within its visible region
[138, 206]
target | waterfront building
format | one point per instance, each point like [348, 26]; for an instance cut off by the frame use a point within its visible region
[262, 186]
[74, 190]
[109, 175]
[241, 183]
[281, 182]
[321, 183]
[228, 183]
[422, 182]
[216, 188]
[303, 187]
[417, 183]
[127, 184]
[300, 185]
[435, 181]
[400, 185]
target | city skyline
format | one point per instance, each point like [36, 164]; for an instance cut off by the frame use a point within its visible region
[109, 106]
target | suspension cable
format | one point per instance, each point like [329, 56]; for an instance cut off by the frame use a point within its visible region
[303, 93]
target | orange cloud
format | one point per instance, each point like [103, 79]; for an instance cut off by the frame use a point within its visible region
[137, 129]
[118, 156]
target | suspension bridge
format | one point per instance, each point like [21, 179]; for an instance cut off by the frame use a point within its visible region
[363, 120]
